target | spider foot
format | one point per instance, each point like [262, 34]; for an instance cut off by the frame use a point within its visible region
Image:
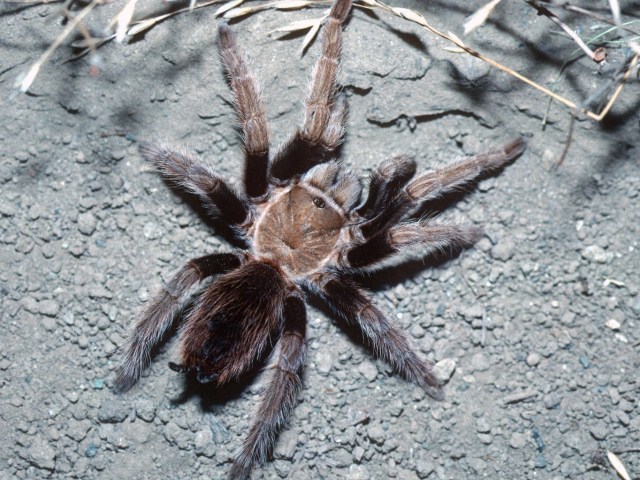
[206, 377]
[176, 367]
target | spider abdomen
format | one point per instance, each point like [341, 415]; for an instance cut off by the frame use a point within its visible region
[300, 229]
[232, 322]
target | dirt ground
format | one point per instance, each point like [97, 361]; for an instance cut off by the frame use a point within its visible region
[540, 318]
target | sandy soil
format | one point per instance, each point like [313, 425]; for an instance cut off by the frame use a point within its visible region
[544, 380]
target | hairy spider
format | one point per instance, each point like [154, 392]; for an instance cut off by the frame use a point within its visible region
[306, 232]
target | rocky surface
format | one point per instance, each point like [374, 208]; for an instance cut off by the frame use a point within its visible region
[536, 328]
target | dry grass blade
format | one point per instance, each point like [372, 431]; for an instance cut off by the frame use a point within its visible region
[239, 12]
[144, 22]
[415, 17]
[410, 15]
[227, 6]
[126, 19]
[480, 16]
[616, 463]
[25, 83]
[291, 4]
[145, 25]
[31, 2]
[279, 5]
[618, 90]
[615, 10]
[123, 19]
[308, 38]
[614, 282]
[574, 36]
[298, 25]
[456, 39]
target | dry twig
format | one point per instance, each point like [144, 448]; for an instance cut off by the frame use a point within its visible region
[597, 55]
[25, 83]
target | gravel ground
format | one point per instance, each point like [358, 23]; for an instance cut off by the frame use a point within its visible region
[537, 324]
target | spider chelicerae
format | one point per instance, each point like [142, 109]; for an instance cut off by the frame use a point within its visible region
[306, 232]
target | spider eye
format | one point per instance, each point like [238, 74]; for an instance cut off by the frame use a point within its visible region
[318, 202]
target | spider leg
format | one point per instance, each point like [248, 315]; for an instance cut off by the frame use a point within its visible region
[435, 183]
[321, 96]
[428, 236]
[251, 114]
[325, 110]
[160, 313]
[351, 304]
[385, 184]
[194, 176]
[280, 396]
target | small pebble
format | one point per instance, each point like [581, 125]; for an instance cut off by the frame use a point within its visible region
[612, 324]
[597, 254]
[358, 454]
[444, 369]
[324, 362]
[482, 426]
[42, 455]
[552, 401]
[202, 439]
[368, 370]
[479, 362]
[417, 331]
[584, 361]
[376, 434]
[286, 445]
[112, 412]
[533, 359]
[49, 308]
[541, 462]
[90, 451]
[87, 223]
[341, 458]
[21, 156]
[118, 154]
[424, 468]
[145, 409]
[356, 416]
[622, 417]
[77, 430]
[504, 250]
[599, 430]
[517, 440]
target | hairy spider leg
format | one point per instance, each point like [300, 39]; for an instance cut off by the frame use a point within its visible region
[283, 384]
[351, 304]
[385, 183]
[325, 110]
[383, 238]
[435, 183]
[428, 236]
[191, 174]
[251, 114]
[161, 312]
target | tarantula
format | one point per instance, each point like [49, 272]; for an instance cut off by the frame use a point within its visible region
[306, 232]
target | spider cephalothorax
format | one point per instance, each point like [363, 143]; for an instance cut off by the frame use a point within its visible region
[306, 231]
